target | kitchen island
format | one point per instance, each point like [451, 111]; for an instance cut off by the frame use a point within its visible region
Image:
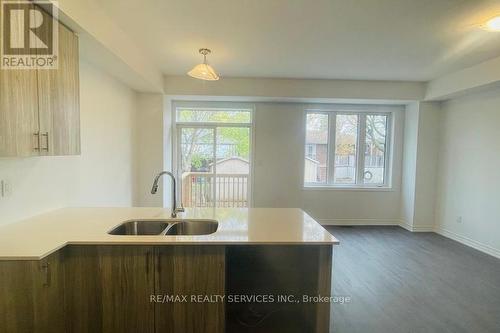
[258, 272]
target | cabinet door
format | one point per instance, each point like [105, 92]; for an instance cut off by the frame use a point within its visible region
[185, 271]
[32, 296]
[18, 110]
[108, 289]
[58, 99]
[49, 294]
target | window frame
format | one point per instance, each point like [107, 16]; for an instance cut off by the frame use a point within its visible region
[362, 111]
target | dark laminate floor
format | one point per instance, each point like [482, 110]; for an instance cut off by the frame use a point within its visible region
[412, 282]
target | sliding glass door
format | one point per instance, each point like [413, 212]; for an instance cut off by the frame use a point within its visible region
[197, 154]
[213, 157]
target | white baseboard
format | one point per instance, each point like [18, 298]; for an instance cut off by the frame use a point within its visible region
[380, 222]
[406, 226]
[359, 222]
[423, 228]
[468, 241]
[416, 228]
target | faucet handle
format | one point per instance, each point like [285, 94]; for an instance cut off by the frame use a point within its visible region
[180, 209]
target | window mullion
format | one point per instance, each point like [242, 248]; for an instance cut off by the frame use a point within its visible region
[332, 120]
[388, 149]
[360, 160]
[177, 149]
[214, 173]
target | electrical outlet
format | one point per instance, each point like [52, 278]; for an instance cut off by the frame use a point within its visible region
[459, 219]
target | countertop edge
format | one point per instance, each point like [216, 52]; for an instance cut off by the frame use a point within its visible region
[156, 243]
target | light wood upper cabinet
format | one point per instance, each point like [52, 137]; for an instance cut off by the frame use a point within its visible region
[18, 113]
[18, 110]
[58, 100]
[39, 109]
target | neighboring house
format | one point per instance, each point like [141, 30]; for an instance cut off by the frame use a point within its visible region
[231, 184]
[232, 165]
[317, 150]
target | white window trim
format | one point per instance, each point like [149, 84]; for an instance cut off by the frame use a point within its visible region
[211, 105]
[361, 111]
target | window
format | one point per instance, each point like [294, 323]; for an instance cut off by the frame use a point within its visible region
[347, 149]
[317, 142]
[346, 144]
[213, 115]
[213, 153]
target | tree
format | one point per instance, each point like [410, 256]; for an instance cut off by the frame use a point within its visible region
[197, 143]
[376, 131]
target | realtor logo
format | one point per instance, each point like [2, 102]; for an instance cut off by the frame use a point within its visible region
[29, 34]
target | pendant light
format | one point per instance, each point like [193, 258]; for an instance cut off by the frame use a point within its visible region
[493, 24]
[204, 71]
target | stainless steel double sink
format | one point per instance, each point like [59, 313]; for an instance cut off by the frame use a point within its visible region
[169, 227]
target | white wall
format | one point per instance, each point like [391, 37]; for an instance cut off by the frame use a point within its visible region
[409, 165]
[101, 176]
[150, 136]
[426, 168]
[469, 177]
[279, 165]
[420, 157]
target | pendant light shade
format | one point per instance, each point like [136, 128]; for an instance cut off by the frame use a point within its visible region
[204, 71]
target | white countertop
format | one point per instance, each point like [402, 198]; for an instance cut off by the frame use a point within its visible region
[39, 236]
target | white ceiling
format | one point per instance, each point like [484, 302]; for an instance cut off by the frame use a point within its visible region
[335, 39]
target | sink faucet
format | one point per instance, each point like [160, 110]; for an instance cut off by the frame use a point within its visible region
[154, 189]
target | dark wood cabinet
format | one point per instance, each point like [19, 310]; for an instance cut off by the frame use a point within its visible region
[116, 288]
[108, 289]
[31, 295]
[191, 271]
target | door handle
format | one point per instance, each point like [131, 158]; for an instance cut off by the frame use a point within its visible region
[46, 135]
[46, 273]
[37, 140]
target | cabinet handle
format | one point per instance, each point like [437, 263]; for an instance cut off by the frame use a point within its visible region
[46, 272]
[37, 140]
[46, 135]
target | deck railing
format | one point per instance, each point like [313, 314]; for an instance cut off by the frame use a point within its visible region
[202, 189]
